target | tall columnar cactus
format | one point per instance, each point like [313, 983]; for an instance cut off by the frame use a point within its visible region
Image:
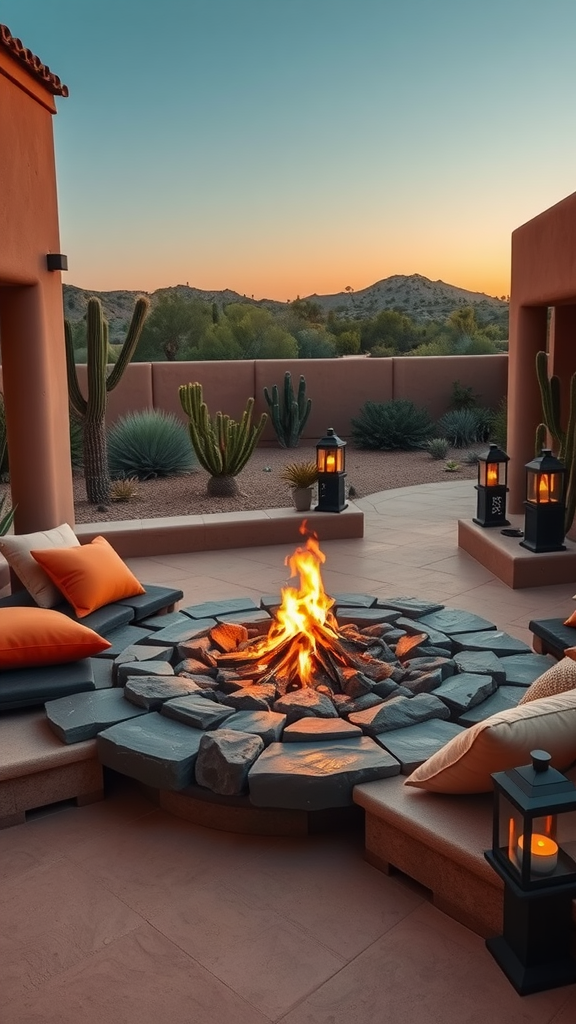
[91, 411]
[223, 445]
[564, 439]
[290, 415]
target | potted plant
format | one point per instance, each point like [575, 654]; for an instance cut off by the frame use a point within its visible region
[301, 476]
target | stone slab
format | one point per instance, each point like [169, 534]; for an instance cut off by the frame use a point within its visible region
[434, 636]
[452, 621]
[365, 616]
[142, 668]
[123, 638]
[411, 606]
[464, 690]
[151, 692]
[494, 640]
[310, 776]
[306, 702]
[102, 672]
[485, 662]
[196, 711]
[269, 725]
[225, 759]
[310, 730]
[523, 669]
[352, 600]
[503, 698]
[212, 609]
[84, 715]
[157, 622]
[181, 631]
[257, 617]
[156, 750]
[400, 713]
[414, 745]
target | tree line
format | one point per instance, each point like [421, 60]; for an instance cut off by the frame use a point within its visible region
[183, 329]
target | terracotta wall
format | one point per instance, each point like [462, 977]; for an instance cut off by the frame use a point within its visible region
[31, 318]
[428, 380]
[338, 387]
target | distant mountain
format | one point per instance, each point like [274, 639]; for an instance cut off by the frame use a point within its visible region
[415, 295]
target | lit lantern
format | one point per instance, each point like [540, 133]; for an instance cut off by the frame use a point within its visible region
[330, 462]
[491, 487]
[534, 851]
[544, 505]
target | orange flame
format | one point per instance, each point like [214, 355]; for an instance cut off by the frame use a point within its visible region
[303, 620]
[544, 487]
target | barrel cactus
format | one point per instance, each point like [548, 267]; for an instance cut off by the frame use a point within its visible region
[91, 411]
[223, 445]
[289, 415]
[564, 438]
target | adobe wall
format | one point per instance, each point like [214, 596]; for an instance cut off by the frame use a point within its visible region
[543, 278]
[338, 387]
[31, 318]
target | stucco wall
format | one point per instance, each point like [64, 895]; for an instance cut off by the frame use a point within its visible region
[338, 387]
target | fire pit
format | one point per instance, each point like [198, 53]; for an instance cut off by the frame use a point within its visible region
[263, 719]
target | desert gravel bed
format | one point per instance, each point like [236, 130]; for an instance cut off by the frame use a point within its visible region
[261, 485]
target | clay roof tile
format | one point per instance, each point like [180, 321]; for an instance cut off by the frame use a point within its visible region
[31, 62]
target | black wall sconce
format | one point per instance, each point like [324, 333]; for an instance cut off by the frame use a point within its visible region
[56, 261]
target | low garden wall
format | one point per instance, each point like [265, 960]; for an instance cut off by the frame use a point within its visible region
[338, 387]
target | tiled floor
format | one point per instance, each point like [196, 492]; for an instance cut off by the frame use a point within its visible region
[120, 912]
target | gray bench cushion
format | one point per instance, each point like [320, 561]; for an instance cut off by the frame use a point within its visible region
[154, 600]
[31, 687]
[554, 633]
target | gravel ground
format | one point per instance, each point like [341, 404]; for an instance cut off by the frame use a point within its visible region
[261, 486]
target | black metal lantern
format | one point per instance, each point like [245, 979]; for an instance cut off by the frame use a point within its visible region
[534, 852]
[330, 463]
[492, 488]
[545, 504]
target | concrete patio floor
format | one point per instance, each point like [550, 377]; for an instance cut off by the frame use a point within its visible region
[119, 912]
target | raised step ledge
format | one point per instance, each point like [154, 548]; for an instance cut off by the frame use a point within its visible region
[135, 538]
[514, 565]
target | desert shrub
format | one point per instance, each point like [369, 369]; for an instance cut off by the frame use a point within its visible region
[395, 425]
[463, 397]
[149, 444]
[472, 458]
[124, 489]
[464, 427]
[438, 447]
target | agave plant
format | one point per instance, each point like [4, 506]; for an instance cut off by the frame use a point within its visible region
[395, 425]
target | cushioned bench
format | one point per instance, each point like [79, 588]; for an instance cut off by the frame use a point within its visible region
[439, 841]
[551, 636]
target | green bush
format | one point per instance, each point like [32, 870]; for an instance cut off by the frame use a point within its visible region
[463, 396]
[149, 444]
[395, 425]
[500, 424]
[438, 447]
[463, 427]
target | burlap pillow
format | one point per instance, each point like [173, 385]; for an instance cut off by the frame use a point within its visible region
[558, 679]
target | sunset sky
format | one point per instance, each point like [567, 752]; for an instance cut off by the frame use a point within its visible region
[284, 147]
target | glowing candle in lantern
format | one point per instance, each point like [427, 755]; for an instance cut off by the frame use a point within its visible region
[330, 462]
[544, 488]
[543, 854]
[491, 475]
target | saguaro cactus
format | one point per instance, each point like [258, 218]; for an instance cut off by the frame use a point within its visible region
[564, 438]
[290, 415]
[91, 411]
[223, 445]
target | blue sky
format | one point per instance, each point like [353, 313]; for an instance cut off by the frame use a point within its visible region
[282, 147]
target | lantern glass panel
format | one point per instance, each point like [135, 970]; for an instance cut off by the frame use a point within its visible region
[536, 848]
[330, 460]
[545, 488]
[492, 474]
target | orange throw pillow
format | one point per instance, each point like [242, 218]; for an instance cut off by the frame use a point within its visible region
[30, 637]
[89, 576]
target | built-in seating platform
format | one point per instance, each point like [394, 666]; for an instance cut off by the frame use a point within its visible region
[551, 636]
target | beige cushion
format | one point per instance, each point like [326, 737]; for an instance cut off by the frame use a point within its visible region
[465, 764]
[16, 550]
[558, 679]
